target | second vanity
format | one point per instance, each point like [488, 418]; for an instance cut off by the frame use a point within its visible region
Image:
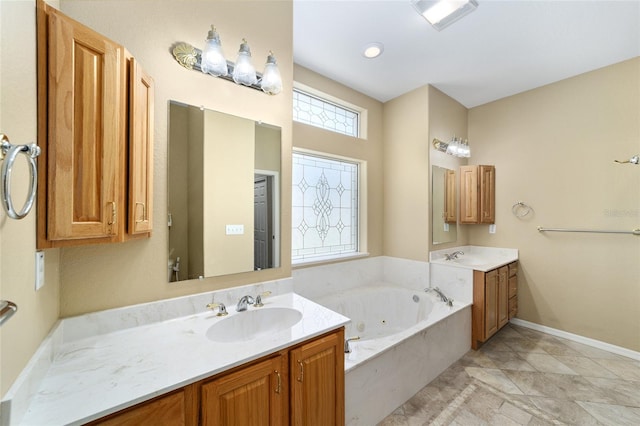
[494, 274]
[108, 362]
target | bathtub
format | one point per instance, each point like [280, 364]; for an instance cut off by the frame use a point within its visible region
[406, 339]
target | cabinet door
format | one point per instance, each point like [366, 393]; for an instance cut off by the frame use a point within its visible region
[140, 150]
[487, 194]
[503, 296]
[84, 119]
[317, 382]
[468, 194]
[167, 410]
[255, 395]
[450, 197]
[491, 303]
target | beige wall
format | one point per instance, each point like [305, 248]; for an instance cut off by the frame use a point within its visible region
[407, 176]
[553, 148]
[37, 311]
[229, 153]
[369, 150]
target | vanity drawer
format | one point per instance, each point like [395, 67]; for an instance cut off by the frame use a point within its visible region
[513, 269]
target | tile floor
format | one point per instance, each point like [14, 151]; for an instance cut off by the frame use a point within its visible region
[525, 377]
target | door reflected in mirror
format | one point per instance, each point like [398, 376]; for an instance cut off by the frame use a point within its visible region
[224, 194]
[443, 202]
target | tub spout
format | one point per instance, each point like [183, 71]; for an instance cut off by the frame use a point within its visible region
[347, 348]
[440, 294]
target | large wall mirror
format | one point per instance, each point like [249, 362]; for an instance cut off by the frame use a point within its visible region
[224, 193]
[443, 202]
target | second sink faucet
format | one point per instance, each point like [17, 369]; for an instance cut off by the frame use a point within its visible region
[243, 303]
[453, 255]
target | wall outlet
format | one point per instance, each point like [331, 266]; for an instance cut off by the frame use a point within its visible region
[39, 270]
[492, 228]
[235, 229]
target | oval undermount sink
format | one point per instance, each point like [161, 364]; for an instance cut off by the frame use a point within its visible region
[253, 324]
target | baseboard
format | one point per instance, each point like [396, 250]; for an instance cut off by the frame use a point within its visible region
[577, 338]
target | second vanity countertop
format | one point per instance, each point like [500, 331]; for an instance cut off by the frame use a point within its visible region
[475, 257]
[99, 375]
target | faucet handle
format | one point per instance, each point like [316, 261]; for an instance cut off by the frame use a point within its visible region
[222, 310]
[259, 297]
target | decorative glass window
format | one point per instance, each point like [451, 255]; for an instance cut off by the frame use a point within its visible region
[324, 207]
[313, 110]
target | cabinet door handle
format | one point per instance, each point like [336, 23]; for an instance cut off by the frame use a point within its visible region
[301, 376]
[279, 387]
[114, 213]
[144, 212]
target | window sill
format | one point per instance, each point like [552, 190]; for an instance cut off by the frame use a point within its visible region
[325, 260]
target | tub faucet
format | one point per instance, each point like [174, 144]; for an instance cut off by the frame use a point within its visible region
[440, 294]
[347, 348]
[243, 303]
[453, 255]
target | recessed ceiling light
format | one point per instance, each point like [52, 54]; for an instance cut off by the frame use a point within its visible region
[373, 50]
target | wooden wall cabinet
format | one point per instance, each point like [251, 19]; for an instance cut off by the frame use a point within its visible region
[477, 194]
[494, 301]
[302, 386]
[450, 213]
[95, 132]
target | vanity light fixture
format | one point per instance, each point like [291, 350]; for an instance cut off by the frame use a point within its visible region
[455, 147]
[442, 13]
[211, 61]
[373, 50]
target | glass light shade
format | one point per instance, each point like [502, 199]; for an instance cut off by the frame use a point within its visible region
[244, 72]
[454, 147]
[213, 61]
[271, 82]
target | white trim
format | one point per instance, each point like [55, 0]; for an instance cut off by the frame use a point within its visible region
[619, 350]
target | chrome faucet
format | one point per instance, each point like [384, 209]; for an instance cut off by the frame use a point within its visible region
[440, 294]
[243, 303]
[347, 349]
[453, 255]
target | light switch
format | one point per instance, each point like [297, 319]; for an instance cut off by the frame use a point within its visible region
[492, 228]
[235, 229]
[39, 270]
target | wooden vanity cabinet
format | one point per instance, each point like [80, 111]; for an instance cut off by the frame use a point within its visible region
[477, 194]
[494, 301]
[513, 289]
[95, 120]
[172, 409]
[302, 385]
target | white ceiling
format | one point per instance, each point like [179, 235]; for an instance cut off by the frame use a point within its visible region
[500, 49]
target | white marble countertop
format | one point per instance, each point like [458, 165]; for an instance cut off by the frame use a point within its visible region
[476, 257]
[99, 375]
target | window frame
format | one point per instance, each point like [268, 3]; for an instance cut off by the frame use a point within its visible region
[361, 113]
[361, 249]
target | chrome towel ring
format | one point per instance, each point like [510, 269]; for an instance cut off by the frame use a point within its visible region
[521, 209]
[10, 152]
